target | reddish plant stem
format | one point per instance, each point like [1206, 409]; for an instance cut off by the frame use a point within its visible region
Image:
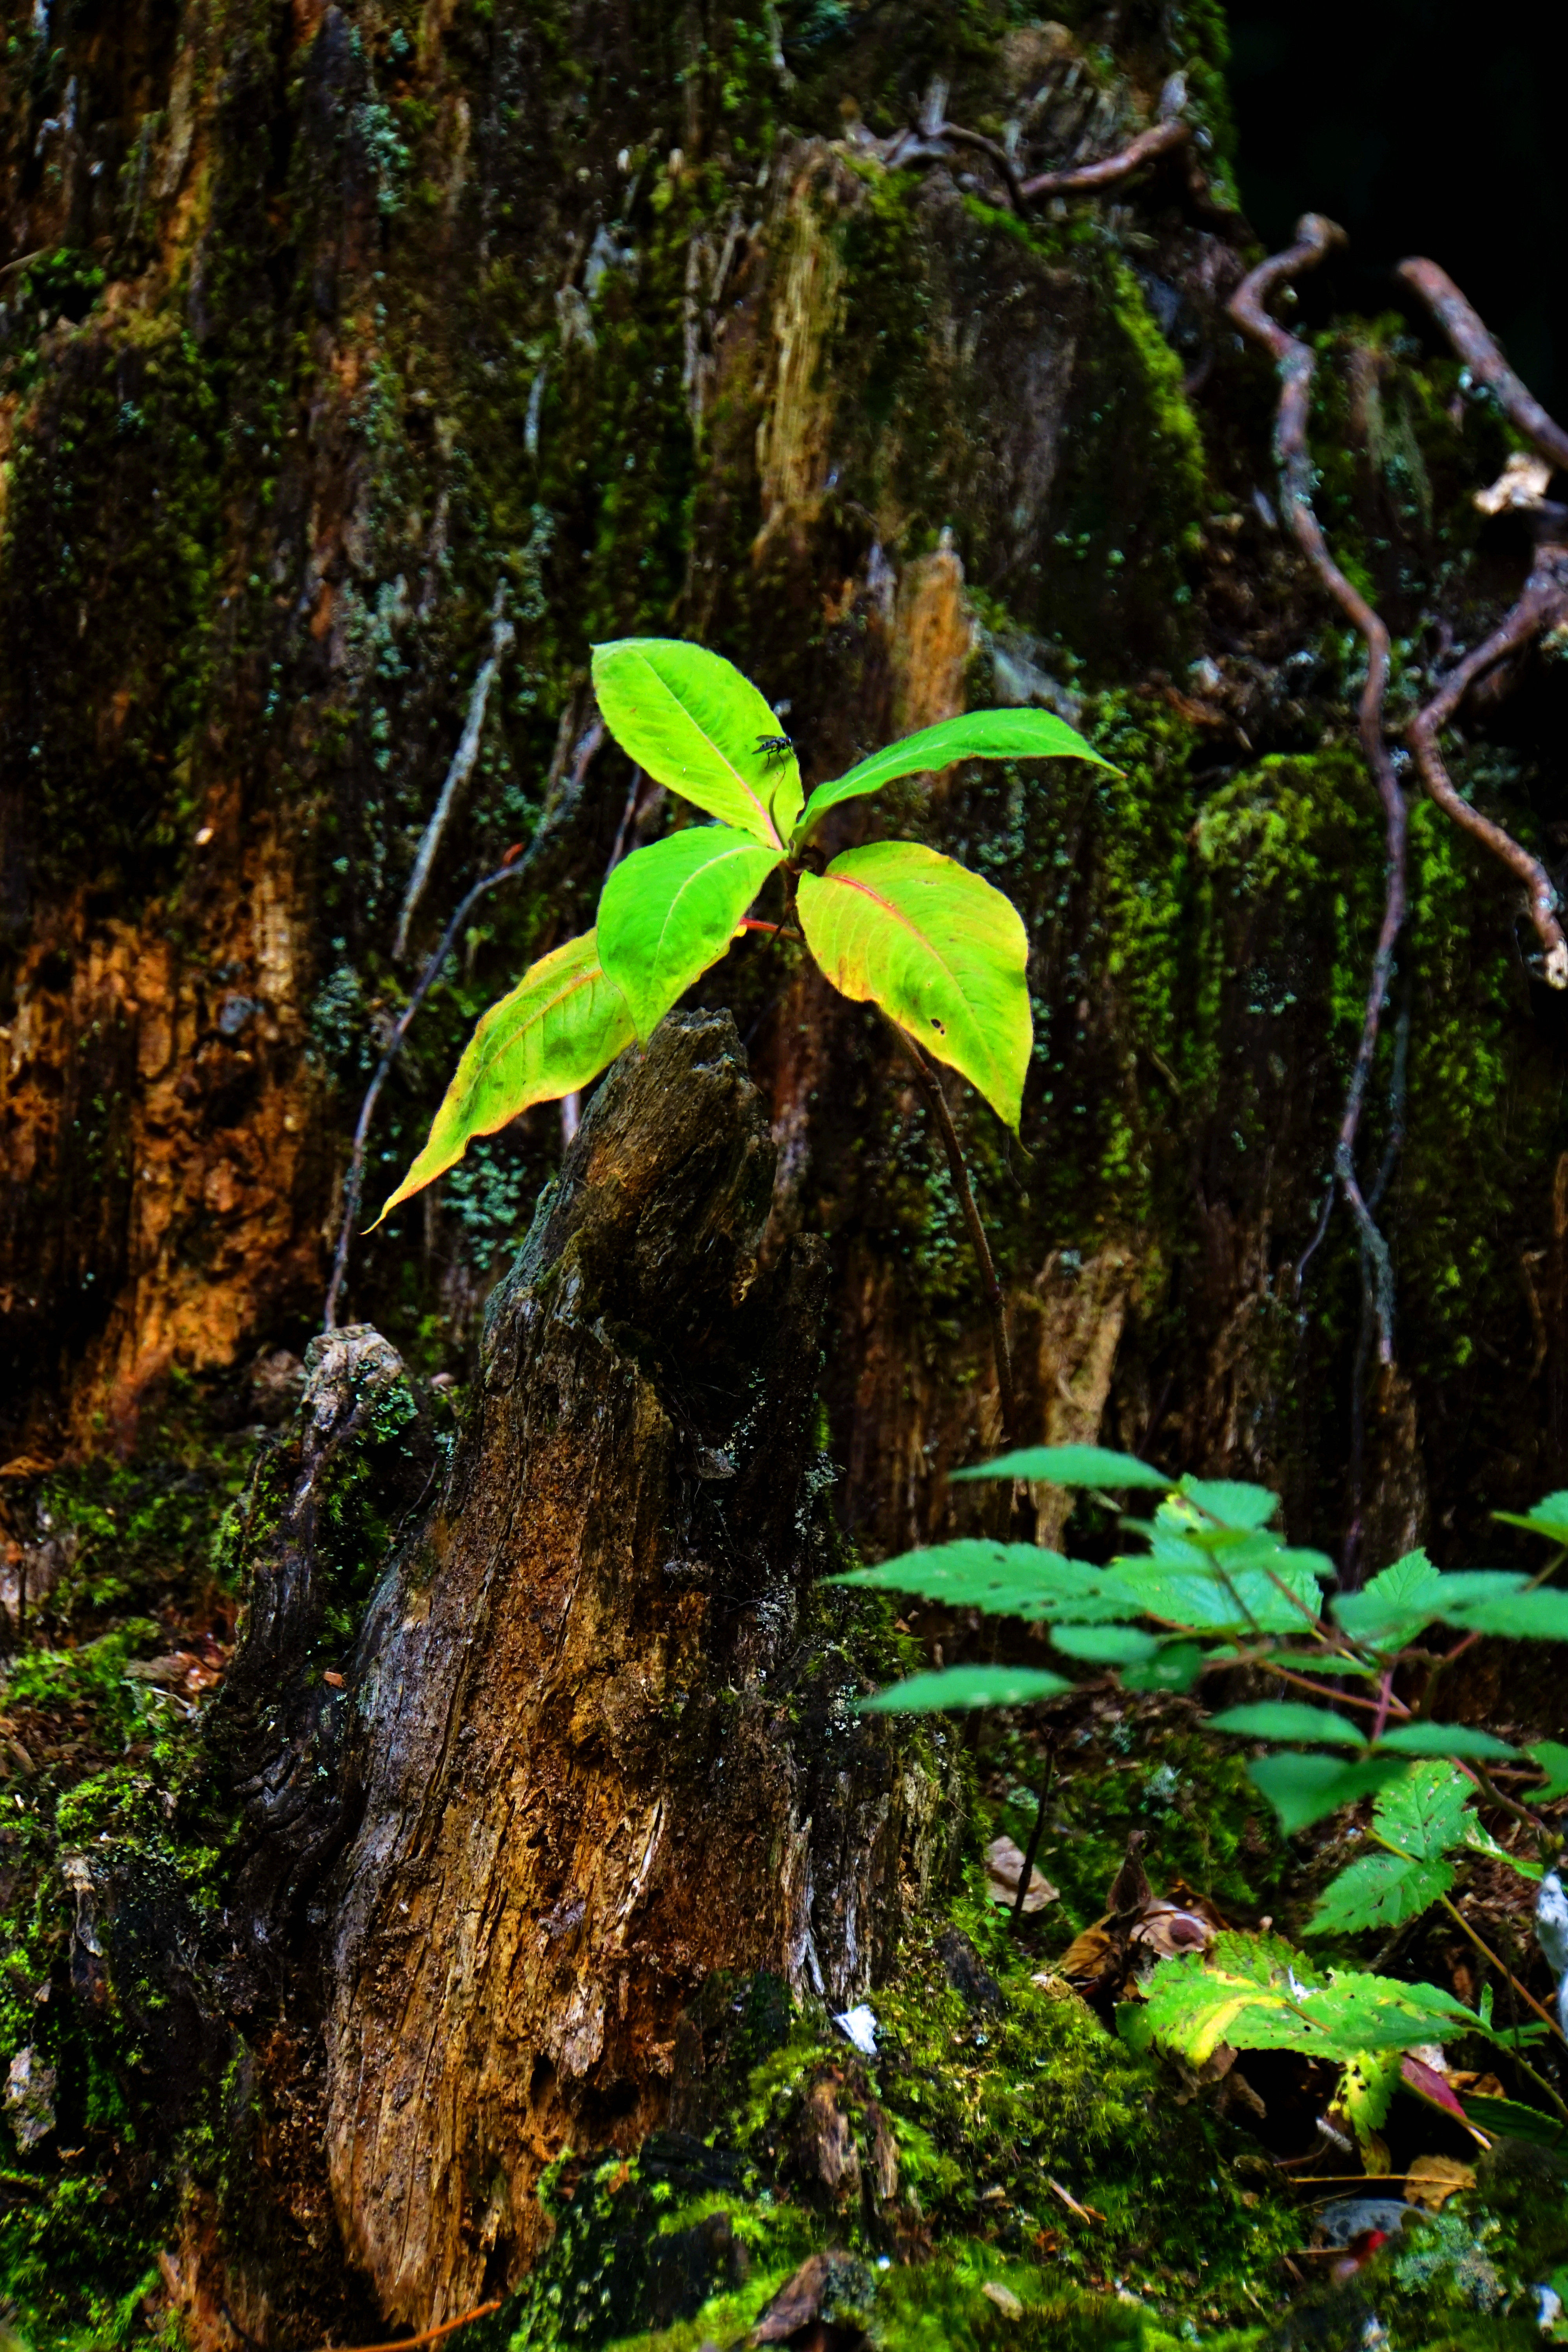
[433, 2334]
[930, 1085]
[1082, 179]
[1315, 237]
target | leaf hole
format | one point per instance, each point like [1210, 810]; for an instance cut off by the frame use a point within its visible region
[939, 1026]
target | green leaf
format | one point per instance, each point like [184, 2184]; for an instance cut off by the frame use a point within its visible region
[1323, 1662]
[1257, 1993]
[943, 953]
[1509, 2119]
[977, 735]
[690, 719]
[1221, 1598]
[1552, 1758]
[1235, 1506]
[1539, 1616]
[670, 910]
[1394, 1606]
[1175, 1668]
[1105, 1645]
[1378, 1891]
[1303, 1788]
[964, 1686]
[1003, 1579]
[555, 1030]
[1548, 1517]
[1072, 1465]
[1446, 1739]
[1393, 1599]
[1478, 1839]
[1423, 1812]
[1366, 2089]
[1288, 1719]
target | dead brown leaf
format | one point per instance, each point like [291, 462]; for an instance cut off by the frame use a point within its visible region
[1432, 2180]
[1005, 1867]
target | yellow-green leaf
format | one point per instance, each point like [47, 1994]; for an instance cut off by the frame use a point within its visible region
[559, 1027]
[670, 910]
[974, 735]
[690, 719]
[939, 950]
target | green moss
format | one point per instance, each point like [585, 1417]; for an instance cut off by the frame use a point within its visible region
[994, 2117]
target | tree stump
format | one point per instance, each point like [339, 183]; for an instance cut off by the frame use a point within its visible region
[601, 1758]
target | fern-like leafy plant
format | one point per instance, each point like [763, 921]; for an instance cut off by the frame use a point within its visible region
[892, 923]
[1215, 1588]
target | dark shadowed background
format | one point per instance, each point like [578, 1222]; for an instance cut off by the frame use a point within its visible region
[1420, 128]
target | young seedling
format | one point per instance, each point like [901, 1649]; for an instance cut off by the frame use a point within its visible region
[892, 923]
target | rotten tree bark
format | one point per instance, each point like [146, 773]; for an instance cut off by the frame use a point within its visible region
[596, 1755]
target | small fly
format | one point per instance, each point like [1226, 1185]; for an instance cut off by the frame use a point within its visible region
[775, 747]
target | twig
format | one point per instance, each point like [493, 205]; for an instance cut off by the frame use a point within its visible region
[431, 2334]
[502, 635]
[1082, 179]
[1027, 1872]
[1483, 357]
[929, 1085]
[1544, 598]
[1294, 359]
[509, 870]
[1507, 1973]
[1083, 2212]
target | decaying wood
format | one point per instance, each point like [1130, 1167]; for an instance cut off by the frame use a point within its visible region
[598, 1762]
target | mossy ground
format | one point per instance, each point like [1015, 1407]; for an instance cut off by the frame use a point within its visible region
[118, 1838]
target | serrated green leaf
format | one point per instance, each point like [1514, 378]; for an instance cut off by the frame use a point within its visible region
[899, 925]
[1446, 1739]
[1423, 1812]
[1394, 1605]
[1552, 1758]
[975, 735]
[1257, 1993]
[1175, 1667]
[1219, 1598]
[1303, 1787]
[669, 911]
[1378, 1891]
[1105, 1645]
[1003, 1579]
[561, 1024]
[695, 723]
[1072, 1465]
[1548, 1517]
[1394, 1597]
[1288, 1719]
[1539, 1616]
[1509, 2119]
[1232, 1504]
[964, 1686]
